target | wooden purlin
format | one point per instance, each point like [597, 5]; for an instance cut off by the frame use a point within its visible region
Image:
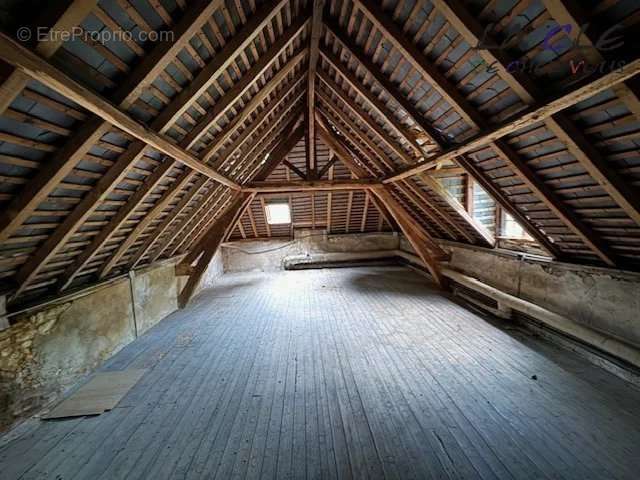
[202, 225]
[558, 123]
[157, 209]
[403, 156]
[188, 223]
[205, 215]
[356, 137]
[272, 108]
[374, 112]
[476, 121]
[355, 52]
[229, 52]
[166, 222]
[38, 69]
[568, 12]
[528, 117]
[256, 100]
[263, 149]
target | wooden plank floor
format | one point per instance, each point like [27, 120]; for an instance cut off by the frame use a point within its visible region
[362, 372]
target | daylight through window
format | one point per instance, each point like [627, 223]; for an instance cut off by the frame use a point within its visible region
[278, 213]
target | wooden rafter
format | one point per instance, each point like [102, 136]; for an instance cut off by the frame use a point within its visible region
[472, 31]
[274, 82]
[356, 52]
[568, 12]
[427, 249]
[473, 118]
[354, 133]
[341, 151]
[42, 71]
[259, 120]
[167, 221]
[230, 92]
[222, 61]
[265, 154]
[247, 81]
[90, 132]
[358, 172]
[529, 117]
[70, 14]
[212, 205]
[279, 152]
[399, 151]
[149, 242]
[374, 102]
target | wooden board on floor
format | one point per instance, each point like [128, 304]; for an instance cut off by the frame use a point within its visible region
[100, 394]
[360, 373]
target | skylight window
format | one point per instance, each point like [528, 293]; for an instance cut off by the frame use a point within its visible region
[512, 229]
[278, 213]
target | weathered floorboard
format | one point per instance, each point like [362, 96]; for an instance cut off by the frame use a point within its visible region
[365, 373]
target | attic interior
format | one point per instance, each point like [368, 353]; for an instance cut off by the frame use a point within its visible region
[319, 239]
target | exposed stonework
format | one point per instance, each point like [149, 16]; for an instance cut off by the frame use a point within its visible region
[23, 387]
[46, 351]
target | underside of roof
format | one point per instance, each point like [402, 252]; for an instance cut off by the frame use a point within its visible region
[126, 141]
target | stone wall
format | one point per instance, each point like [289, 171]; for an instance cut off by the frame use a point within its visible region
[47, 350]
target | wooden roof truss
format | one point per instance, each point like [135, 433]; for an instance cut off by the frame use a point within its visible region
[118, 154]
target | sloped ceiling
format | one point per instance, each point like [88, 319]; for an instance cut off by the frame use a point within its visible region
[117, 151]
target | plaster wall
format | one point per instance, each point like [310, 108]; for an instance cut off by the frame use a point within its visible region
[603, 299]
[244, 256]
[47, 350]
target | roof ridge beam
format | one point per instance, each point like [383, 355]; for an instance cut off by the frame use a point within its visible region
[314, 44]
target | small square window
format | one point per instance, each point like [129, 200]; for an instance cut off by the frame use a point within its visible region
[512, 229]
[278, 213]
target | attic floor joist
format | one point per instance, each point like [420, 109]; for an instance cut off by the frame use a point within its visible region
[119, 154]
